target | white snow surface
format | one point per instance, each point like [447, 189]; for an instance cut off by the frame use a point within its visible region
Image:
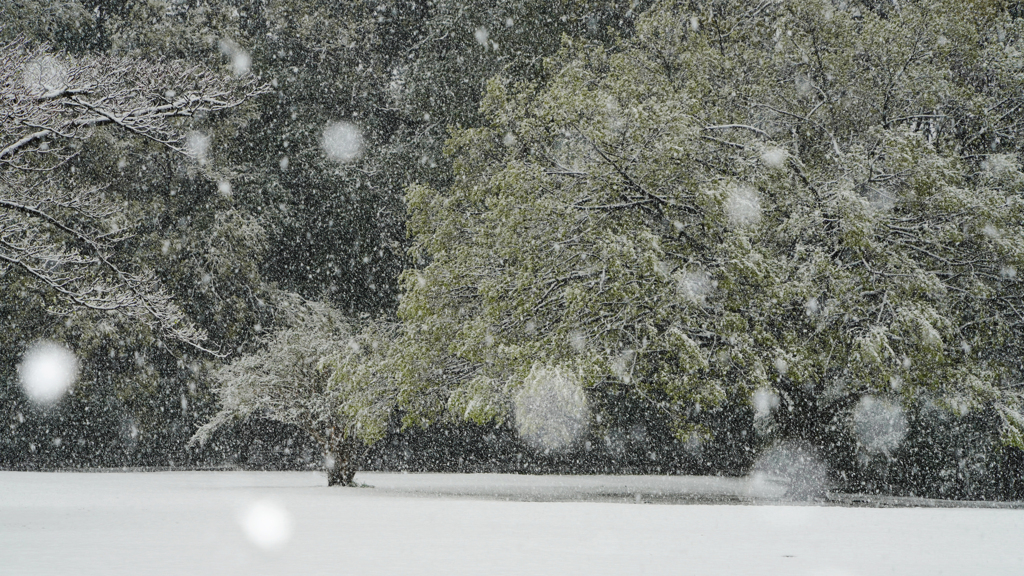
[188, 523]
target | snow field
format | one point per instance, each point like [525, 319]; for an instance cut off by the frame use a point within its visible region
[200, 523]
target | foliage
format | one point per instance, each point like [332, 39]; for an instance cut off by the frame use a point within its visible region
[264, 206]
[401, 72]
[66, 237]
[71, 266]
[816, 201]
[717, 216]
[317, 374]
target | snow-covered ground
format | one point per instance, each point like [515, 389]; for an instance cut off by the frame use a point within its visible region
[222, 523]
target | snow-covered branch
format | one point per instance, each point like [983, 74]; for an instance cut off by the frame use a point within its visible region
[67, 240]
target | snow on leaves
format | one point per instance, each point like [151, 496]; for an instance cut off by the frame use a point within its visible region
[719, 197]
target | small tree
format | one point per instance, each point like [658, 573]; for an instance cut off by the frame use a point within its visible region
[318, 374]
[66, 237]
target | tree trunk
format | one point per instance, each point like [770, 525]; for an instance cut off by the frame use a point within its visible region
[341, 460]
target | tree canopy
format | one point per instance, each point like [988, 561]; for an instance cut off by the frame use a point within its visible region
[814, 201]
[54, 230]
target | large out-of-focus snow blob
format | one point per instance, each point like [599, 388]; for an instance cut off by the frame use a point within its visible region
[694, 286]
[743, 206]
[797, 465]
[774, 158]
[197, 145]
[482, 35]
[47, 372]
[765, 402]
[267, 524]
[342, 142]
[240, 59]
[551, 408]
[879, 425]
[45, 76]
[998, 165]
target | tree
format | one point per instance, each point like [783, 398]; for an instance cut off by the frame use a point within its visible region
[266, 205]
[95, 191]
[319, 374]
[819, 203]
[64, 236]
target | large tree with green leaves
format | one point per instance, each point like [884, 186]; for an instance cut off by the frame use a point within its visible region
[820, 202]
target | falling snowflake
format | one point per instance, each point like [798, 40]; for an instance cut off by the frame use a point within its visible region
[743, 206]
[550, 409]
[482, 35]
[342, 142]
[879, 424]
[240, 59]
[267, 524]
[796, 464]
[765, 402]
[45, 76]
[47, 372]
[197, 146]
[812, 307]
[774, 158]
[694, 286]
